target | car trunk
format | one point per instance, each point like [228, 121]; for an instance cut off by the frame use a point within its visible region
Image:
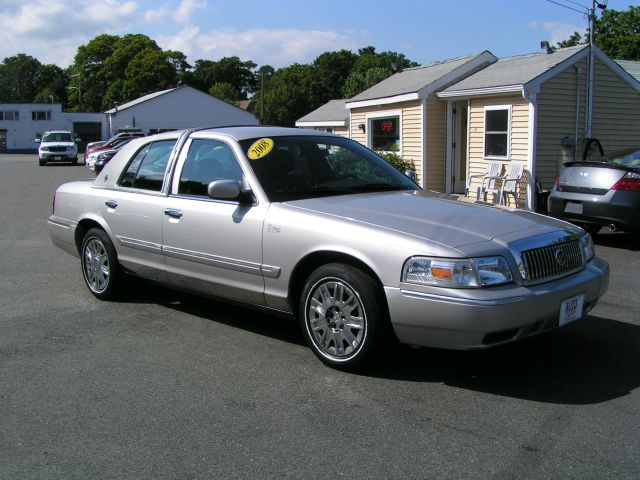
[589, 177]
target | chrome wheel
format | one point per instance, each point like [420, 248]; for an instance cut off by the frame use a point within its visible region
[96, 265]
[335, 319]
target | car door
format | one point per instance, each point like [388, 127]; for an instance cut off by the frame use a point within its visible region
[212, 246]
[133, 209]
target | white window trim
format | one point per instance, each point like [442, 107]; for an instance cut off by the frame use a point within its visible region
[484, 131]
[383, 114]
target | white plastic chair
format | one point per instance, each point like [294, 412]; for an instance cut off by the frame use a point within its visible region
[510, 183]
[493, 171]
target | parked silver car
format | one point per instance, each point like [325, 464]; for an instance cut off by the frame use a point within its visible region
[601, 192]
[317, 226]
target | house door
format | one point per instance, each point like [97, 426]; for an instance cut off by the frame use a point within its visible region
[459, 147]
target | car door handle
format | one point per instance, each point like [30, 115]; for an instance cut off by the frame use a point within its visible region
[111, 203]
[173, 212]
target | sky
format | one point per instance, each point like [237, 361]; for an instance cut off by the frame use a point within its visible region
[283, 32]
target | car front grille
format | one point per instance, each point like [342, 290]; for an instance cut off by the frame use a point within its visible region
[57, 149]
[550, 262]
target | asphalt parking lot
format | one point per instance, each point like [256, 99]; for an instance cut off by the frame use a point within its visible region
[167, 385]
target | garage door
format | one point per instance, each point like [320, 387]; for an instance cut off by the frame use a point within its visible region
[88, 132]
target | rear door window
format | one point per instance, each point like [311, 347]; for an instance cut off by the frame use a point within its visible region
[147, 168]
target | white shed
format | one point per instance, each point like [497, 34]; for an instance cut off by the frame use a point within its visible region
[177, 108]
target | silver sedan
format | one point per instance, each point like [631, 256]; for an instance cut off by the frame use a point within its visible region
[318, 227]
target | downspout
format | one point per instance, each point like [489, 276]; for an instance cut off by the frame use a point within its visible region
[531, 98]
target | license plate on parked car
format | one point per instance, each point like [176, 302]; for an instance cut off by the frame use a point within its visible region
[57, 158]
[573, 207]
[571, 309]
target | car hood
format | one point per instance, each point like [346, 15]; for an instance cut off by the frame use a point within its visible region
[433, 217]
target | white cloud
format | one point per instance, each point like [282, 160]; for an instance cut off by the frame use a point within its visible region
[273, 47]
[53, 31]
[154, 16]
[185, 10]
[561, 31]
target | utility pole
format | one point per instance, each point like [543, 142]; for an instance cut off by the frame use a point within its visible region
[591, 67]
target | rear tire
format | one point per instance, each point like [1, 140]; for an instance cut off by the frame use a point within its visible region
[100, 268]
[344, 318]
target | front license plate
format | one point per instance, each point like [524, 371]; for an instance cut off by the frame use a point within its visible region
[573, 207]
[571, 309]
[57, 158]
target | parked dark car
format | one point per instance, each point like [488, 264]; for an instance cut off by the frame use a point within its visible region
[599, 193]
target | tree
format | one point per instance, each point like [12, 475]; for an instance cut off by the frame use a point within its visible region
[89, 77]
[225, 91]
[617, 33]
[359, 81]
[287, 98]
[372, 68]
[230, 70]
[51, 83]
[149, 71]
[19, 78]
[331, 70]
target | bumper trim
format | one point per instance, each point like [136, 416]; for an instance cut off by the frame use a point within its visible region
[464, 301]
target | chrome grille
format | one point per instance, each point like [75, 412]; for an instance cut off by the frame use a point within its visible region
[57, 149]
[552, 261]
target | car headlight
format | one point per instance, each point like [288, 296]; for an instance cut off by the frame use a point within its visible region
[452, 273]
[587, 247]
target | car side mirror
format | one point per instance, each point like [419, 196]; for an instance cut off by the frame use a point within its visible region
[224, 189]
[37, 140]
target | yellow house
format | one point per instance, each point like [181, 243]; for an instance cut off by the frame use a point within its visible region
[538, 109]
[403, 113]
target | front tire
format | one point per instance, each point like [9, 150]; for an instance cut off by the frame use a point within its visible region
[100, 268]
[343, 317]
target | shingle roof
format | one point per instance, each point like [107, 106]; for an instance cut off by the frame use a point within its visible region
[518, 70]
[411, 80]
[631, 66]
[138, 100]
[333, 111]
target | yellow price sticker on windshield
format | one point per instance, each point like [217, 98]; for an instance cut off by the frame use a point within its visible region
[260, 148]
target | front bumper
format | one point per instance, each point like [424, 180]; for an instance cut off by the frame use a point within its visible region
[57, 156]
[484, 318]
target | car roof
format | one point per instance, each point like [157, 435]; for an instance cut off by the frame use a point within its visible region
[256, 131]
[58, 131]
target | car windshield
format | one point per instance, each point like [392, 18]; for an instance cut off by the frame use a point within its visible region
[297, 167]
[57, 137]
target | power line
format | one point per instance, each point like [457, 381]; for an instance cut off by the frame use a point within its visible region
[567, 6]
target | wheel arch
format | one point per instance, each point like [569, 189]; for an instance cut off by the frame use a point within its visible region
[87, 224]
[312, 261]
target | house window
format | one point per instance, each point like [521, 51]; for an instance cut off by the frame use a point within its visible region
[41, 115]
[497, 131]
[385, 134]
[9, 115]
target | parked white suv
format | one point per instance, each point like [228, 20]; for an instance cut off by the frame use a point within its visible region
[57, 146]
